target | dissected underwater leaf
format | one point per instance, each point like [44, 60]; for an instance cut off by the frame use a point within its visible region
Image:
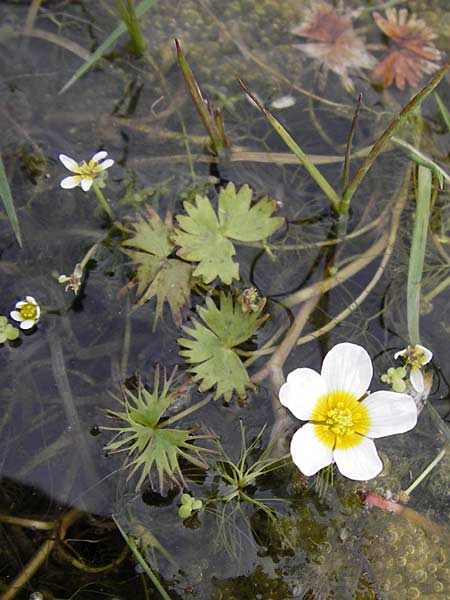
[206, 237]
[149, 444]
[169, 279]
[335, 42]
[211, 350]
[413, 53]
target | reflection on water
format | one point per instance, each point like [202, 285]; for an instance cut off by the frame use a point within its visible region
[58, 381]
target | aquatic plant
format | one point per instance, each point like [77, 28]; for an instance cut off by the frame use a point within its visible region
[146, 438]
[8, 332]
[212, 345]
[341, 427]
[415, 357]
[335, 44]
[207, 238]
[413, 53]
[188, 506]
[27, 312]
[85, 175]
[158, 273]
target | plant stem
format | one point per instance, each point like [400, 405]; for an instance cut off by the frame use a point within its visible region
[425, 472]
[295, 148]
[385, 137]
[417, 256]
[42, 554]
[130, 19]
[101, 198]
[134, 549]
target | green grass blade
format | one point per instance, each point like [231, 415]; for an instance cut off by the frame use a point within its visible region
[103, 48]
[417, 256]
[385, 137]
[444, 112]
[8, 202]
[134, 549]
[295, 148]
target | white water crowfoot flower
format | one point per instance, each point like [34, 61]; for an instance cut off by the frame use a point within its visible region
[27, 312]
[415, 357]
[341, 425]
[85, 173]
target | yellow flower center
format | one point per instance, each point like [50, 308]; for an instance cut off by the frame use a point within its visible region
[28, 311]
[340, 420]
[89, 170]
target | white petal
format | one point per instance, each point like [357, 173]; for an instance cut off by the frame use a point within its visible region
[360, 462]
[70, 182]
[348, 367]
[27, 324]
[99, 156]
[390, 413]
[428, 355]
[20, 304]
[308, 452]
[106, 164]
[69, 163]
[38, 312]
[400, 353]
[86, 184]
[301, 391]
[15, 314]
[416, 379]
[31, 300]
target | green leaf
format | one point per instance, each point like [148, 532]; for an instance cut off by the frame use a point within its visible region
[211, 346]
[103, 48]
[206, 238]
[8, 332]
[150, 445]
[185, 511]
[169, 279]
[5, 194]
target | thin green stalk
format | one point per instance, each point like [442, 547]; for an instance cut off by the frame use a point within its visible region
[385, 137]
[442, 286]
[134, 549]
[219, 142]
[293, 146]
[444, 112]
[130, 19]
[426, 472]
[101, 198]
[5, 195]
[348, 149]
[417, 256]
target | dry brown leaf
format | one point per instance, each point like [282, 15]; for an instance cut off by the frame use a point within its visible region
[413, 53]
[336, 44]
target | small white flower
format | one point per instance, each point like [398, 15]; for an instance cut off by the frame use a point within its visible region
[27, 312]
[341, 426]
[85, 173]
[415, 357]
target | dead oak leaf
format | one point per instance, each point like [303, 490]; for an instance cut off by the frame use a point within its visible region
[413, 53]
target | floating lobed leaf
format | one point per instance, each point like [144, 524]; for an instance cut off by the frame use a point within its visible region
[210, 347]
[206, 238]
[169, 279]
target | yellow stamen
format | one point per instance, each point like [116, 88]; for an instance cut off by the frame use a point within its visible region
[340, 420]
[28, 311]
